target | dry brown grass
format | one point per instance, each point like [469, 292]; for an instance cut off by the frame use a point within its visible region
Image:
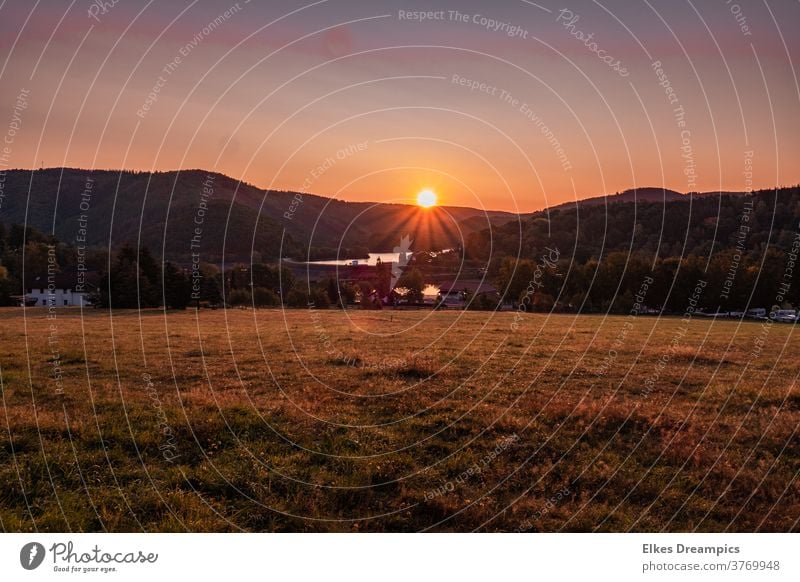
[370, 421]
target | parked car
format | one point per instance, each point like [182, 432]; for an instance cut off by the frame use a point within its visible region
[784, 315]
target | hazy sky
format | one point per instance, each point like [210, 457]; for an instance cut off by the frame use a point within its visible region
[281, 94]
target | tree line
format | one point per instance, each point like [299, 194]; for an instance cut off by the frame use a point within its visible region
[742, 248]
[615, 283]
[132, 277]
[138, 280]
[591, 259]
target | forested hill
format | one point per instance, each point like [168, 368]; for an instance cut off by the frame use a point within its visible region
[690, 225]
[160, 210]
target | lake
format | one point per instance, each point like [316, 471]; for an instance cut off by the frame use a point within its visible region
[372, 260]
[430, 291]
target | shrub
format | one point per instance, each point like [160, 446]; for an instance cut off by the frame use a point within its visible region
[320, 299]
[239, 297]
[265, 297]
[484, 302]
[297, 298]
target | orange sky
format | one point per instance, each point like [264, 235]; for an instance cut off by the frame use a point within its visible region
[499, 107]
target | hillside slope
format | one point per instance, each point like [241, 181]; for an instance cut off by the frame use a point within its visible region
[698, 224]
[162, 210]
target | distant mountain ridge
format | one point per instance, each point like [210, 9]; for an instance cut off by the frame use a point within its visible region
[177, 213]
[640, 195]
[164, 210]
[655, 222]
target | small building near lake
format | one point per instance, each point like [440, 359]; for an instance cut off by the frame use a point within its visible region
[453, 292]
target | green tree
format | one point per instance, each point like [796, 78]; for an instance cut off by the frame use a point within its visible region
[297, 298]
[132, 282]
[263, 297]
[240, 297]
[383, 278]
[415, 283]
[177, 288]
[347, 294]
[319, 298]
[211, 287]
[516, 276]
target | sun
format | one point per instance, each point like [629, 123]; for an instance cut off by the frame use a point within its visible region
[426, 198]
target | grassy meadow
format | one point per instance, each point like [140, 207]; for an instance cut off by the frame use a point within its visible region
[304, 420]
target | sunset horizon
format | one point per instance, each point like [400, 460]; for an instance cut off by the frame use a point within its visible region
[513, 110]
[442, 199]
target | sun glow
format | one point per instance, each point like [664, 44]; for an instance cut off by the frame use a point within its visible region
[426, 198]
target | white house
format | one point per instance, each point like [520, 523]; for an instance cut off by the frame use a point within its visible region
[58, 291]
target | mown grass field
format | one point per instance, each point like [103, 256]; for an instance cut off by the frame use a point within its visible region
[304, 420]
